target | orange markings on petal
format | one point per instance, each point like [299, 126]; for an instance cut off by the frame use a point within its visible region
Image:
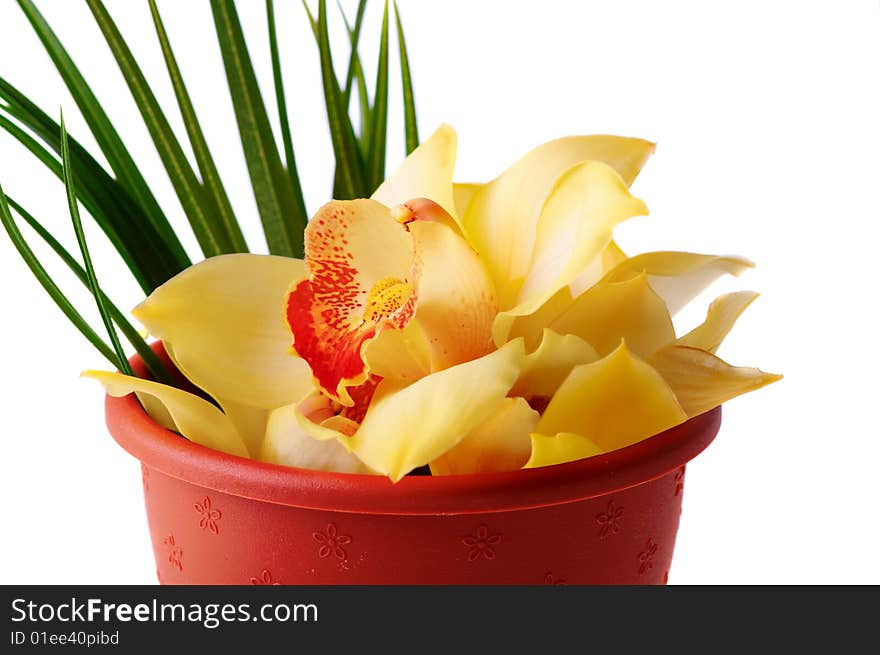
[358, 259]
[362, 395]
[333, 355]
[423, 209]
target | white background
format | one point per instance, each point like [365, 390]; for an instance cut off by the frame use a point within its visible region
[766, 117]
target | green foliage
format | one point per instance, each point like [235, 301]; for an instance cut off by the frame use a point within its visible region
[124, 206]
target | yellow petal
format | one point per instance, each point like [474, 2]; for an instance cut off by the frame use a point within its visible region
[531, 327]
[287, 444]
[678, 277]
[500, 443]
[249, 422]
[616, 401]
[426, 173]
[563, 447]
[721, 317]
[224, 320]
[456, 302]
[195, 418]
[463, 193]
[607, 261]
[501, 220]
[407, 427]
[575, 226]
[611, 311]
[546, 367]
[701, 381]
[404, 355]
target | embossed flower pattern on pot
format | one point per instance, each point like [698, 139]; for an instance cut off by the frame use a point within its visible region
[175, 552]
[679, 481]
[609, 520]
[646, 557]
[331, 542]
[208, 516]
[481, 544]
[550, 579]
[265, 579]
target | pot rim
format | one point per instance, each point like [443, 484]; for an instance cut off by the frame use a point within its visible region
[174, 455]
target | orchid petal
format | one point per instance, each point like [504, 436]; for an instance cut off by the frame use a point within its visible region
[616, 401]
[531, 327]
[701, 381]
[287, 444]
[222, 319]
[463, 193]
[720, 319]
[249, 421]
[359, 259]
[500, 443]
[407, 427]
[607, 261]
[404, 355]
[679, 277]
[609, 312]
[456, 301]
[563, 447]
[193, 417]
[575, 226]
[546, 367]
[426, 173]
[501, 219]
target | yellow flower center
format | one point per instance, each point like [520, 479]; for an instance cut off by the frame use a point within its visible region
[386, 297]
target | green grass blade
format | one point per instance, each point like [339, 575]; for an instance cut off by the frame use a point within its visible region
[122, 364]
[106, 203]
[152, 361]
[105, 134]
[210, 176]
[312, 20]
[355, 75]
[349, 164]
[54, 165]
[365, 108]
[379, 113]
[211, 234]
[354, 34]
[272, 188]
[287, 139]
[409, 106]
[49, 285]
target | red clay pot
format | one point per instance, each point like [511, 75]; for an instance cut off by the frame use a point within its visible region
[219, 519]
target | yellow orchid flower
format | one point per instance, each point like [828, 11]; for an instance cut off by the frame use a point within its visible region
[469, 327]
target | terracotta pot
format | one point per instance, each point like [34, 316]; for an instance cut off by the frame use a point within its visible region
[219, 519]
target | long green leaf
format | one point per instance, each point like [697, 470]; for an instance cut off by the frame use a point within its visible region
[211, 177]
[355, 73]
[152, 361]
[364, 107]
[379, 113]
[115, 213]
[354, 37]
[411, 127]
[272, 189]
[54, 165]
[210, 233]
[105, 134]
[122, 360]
[283, 117]
[49, 285]
[350, 167]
